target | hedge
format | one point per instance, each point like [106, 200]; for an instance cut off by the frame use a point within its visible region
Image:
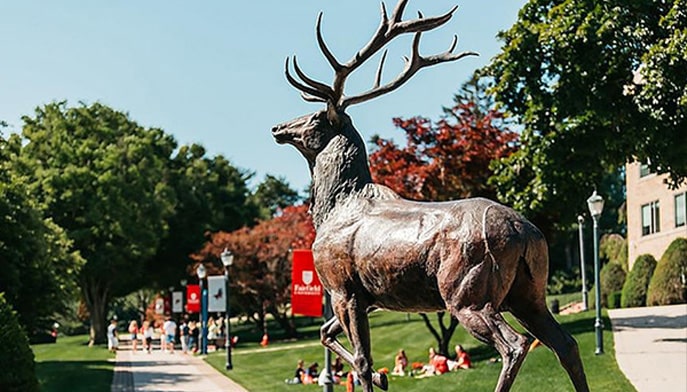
[612, 279]
[669, 283]
[16, 358]
[637, 282]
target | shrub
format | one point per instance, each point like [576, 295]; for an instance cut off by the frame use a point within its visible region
[668, 284]
[613, 248]
[563, 282]
[16, 358]
[612, 278]
[637, 282]
[614, 300]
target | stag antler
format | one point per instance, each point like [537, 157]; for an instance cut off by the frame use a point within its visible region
[389, 28]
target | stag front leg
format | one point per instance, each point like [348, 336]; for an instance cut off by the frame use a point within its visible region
[328, 333]
[341, 323]
[359, 335]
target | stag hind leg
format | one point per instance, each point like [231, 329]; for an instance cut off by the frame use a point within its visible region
[537, 319]
[488, 326]
[360, 361]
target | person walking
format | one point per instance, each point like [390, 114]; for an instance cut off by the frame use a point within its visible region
[184, 335]
[133, 330]
[148, 336]
[112, 341]
[169, 329]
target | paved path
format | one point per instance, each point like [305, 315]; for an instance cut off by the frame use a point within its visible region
[160, 371]
[651, 346]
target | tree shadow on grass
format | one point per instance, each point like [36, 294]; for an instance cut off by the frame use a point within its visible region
[74, 376]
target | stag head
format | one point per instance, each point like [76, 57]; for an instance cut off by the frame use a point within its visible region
[311, 133]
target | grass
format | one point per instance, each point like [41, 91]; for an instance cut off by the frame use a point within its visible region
[259, 369]
[565, 299]
[70, 365]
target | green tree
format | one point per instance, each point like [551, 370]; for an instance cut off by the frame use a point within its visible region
[209, 195]
[274, 194]
[38, 269]
[566, 72]
[101, 177]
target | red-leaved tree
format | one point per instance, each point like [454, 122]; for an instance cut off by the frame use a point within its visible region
[446, 159]
[260, 277]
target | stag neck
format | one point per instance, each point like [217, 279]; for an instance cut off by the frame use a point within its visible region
[341, 171]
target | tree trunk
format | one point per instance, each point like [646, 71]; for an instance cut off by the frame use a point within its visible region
[96, 300]
[444, 338]
[284, 322]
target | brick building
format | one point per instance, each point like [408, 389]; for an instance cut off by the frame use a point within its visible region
[656, 215]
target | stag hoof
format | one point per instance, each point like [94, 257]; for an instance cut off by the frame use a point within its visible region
[380, 380]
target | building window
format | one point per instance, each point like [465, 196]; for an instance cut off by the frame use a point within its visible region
[651, 222]
[680, 210]
[644, 170]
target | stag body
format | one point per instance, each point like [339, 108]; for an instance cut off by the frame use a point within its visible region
[473, 258]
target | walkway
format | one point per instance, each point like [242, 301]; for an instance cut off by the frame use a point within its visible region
[651, 346]
[160, 371]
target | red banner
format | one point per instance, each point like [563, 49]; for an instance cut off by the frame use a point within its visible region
[306, 289]
[192, 298]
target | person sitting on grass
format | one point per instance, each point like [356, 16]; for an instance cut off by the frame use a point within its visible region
[298, 375]
[311, 374]
[462, 359]
[438, 364]
[400, 363]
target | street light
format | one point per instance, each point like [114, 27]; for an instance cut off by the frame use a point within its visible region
[183, 283]
[596, 206]
[202, 273]
[585, 297]
[227, 259]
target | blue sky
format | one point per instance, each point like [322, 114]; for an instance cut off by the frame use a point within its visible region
[211, 72]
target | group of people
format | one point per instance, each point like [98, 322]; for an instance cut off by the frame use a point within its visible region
[311, 375]
[188, 333]
[438, 364]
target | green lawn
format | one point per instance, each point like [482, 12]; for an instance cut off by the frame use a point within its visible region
[70, 365]
[262, 370]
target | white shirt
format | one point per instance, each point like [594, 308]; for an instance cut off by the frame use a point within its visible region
[170, 327]
[111, 330]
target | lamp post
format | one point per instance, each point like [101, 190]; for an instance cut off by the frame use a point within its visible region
[596, 206]
[585, 299]
[171, 300]
[227, 259]
[202, 273]
[183, 282]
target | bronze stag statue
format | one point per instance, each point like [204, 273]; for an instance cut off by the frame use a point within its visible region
[375, 250]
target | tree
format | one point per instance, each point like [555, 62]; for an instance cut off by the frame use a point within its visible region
[274, 194]
[101, 177]
[445, 160]
[261, 273]
[209, 194]
[566, 72]
[38, 268]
